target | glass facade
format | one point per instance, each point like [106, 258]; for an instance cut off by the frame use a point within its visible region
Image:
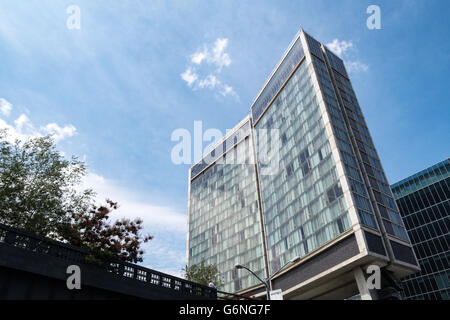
[424, 203]
[377, 196]
[302, 201]
[318, 178]
[346, 150]
[225, 227]
[278, 78]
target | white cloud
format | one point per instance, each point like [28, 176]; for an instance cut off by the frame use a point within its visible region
[216, 57]
[165, 256]
[227, 90]
[339, 47]
[155, 216]
[219, 57]
[348, 50]
[5, 107]
[212, 82]
[355, 66]
[166, 252]
[23, 129]
[23, 122]
[59, 133]
[198, 57]
[189, 76]
[209, 82]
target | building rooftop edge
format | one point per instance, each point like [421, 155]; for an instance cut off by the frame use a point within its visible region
[225, 136]
[247, 117]
[277, 66]
[419, 174]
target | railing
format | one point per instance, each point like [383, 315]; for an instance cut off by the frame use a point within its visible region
[222, 295]
[24, 240]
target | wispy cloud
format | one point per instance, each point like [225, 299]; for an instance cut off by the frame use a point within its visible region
[209, 82]
[59, 133]
[23, 128]
[227, 90]
[165, 256]
[213, 59]
[355, 66]
[220, 58]
[189, 76]
[166, 252]
[133, 205]
[198, 57]
[5, 107]
[23, 123]
[347, 50]
[339, 47]
[216, 55]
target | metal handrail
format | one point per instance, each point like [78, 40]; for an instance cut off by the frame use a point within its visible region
[233, 295]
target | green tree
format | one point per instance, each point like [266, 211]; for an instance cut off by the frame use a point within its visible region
[38, 186]
[203, 273]
[91, 230]
[40, 192]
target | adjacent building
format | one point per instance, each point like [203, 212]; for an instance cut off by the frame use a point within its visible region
[424, 203]
[296, 191]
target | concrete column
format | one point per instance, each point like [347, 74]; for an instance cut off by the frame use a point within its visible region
[361, 282]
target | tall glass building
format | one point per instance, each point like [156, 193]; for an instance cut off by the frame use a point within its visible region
[296, 191]
[424, 203]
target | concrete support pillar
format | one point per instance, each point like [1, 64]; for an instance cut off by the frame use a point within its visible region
[361, 281]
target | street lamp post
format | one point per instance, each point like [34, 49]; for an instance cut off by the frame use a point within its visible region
[293, 260]
[267, 282]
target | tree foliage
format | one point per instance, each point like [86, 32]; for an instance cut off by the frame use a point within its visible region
[40, 192]
[37, 185]
[203, 273]
[92, 230]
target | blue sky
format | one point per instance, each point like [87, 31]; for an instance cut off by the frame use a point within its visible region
[112, 92]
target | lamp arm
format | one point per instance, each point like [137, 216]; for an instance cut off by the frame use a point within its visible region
[263, 281]
[285, 265]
